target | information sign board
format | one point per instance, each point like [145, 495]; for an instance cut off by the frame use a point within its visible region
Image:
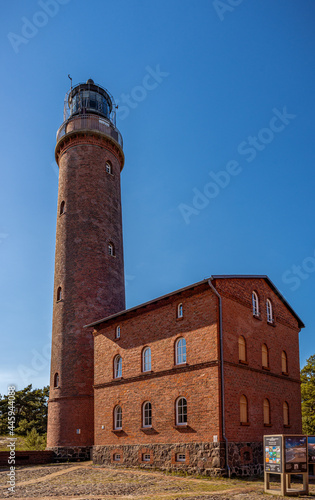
[273, 454]
[311, 449]
[295, 448]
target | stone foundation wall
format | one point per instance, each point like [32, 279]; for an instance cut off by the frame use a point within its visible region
[245, 459]
[203, 458]
[72, 454]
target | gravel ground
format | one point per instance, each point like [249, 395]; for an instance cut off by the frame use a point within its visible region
[85, 481]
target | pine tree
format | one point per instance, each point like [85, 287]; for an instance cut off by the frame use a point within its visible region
[308, 396]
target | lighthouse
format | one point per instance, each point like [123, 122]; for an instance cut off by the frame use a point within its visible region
[89, 267]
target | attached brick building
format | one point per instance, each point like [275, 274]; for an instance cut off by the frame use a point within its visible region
[164, 398]
[190, 380]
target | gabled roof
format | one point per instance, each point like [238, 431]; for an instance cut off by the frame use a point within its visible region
[200, 283]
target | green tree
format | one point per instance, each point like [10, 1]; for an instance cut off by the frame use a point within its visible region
[308, 396]
[30, 411]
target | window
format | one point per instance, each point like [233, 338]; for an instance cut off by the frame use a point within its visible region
[56, 380]
[117, 367]
[118, 419]
[111, 249]
[255, 304]
[59, 294]
[286, 420]
[117, 332]
[264, 356]
[284, 362]
[181, 411]
[116, 457]
[266, 412]
[243, 410]
[146, 360]
[62, 208]
[147, 414]
[108, 167]
[269, 311]
[146, 457]
[180, 311]
[180, 351]
[180, 457]
[78, 431]
[242, 349]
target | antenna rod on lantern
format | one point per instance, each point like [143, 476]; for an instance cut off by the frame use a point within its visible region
[70, 81]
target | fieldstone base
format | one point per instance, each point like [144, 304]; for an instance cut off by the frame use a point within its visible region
[72, 454]
[245, 459]
[201, 458]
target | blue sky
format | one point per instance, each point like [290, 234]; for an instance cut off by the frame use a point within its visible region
[219, 172]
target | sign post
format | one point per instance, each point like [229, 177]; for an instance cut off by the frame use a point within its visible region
[286, 455]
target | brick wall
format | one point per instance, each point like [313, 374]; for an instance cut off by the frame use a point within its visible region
[156, 326]
[27, 457]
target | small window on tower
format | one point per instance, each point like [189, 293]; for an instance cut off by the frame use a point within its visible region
[56, 380]
[111, 249]
[62, 208]
[108, 167]
[59, 293]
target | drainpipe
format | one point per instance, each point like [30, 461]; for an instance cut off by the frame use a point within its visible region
[222, 378]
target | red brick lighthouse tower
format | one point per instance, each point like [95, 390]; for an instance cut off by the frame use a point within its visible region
[89, 269]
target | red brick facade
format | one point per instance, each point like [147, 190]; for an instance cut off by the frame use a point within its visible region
[156, 325]
[89, 283]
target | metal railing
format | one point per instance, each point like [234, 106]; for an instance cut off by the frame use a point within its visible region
[90, 122]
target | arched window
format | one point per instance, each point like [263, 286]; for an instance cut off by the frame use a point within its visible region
[147, 414]
[181, 411]
[266, 411]
[243, 410]
[284, 362]
[111, 249]
[264, 356]
[118, 418]
[62, 208]
[56, 380]
[108, 167]
[255, 304]
[180, 310]
[59, 294]
[180, 351]
[269, 311]
[117, 367]
[242, 355]
[286, 420]
[117, 334]
[146, 360]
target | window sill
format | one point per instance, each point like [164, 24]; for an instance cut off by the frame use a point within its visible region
[257, 316]
[285, 373]
[287, 426]
[241, 362]
[63, 213]
[266, 368]
[244, 424]
[117, 378]
[117, 338]
[271, 323]
[180, 364]
[180, 426]
[146, 428]
[180, 318]
[147, 372]
[117, 431]
[60, 300]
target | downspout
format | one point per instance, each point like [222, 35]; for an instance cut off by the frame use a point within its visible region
[222, 378]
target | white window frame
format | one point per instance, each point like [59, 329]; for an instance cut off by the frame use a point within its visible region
[255, 303]
[180, 414]
[146, 360]
[180, 351]
[146, 457]
[118, 366]
[180, 310]
[144, 414]
[108, 167]
[180, 457]
[117, 420]
[117, 457]
[111, 249]
[117, 333]
[269, 311]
